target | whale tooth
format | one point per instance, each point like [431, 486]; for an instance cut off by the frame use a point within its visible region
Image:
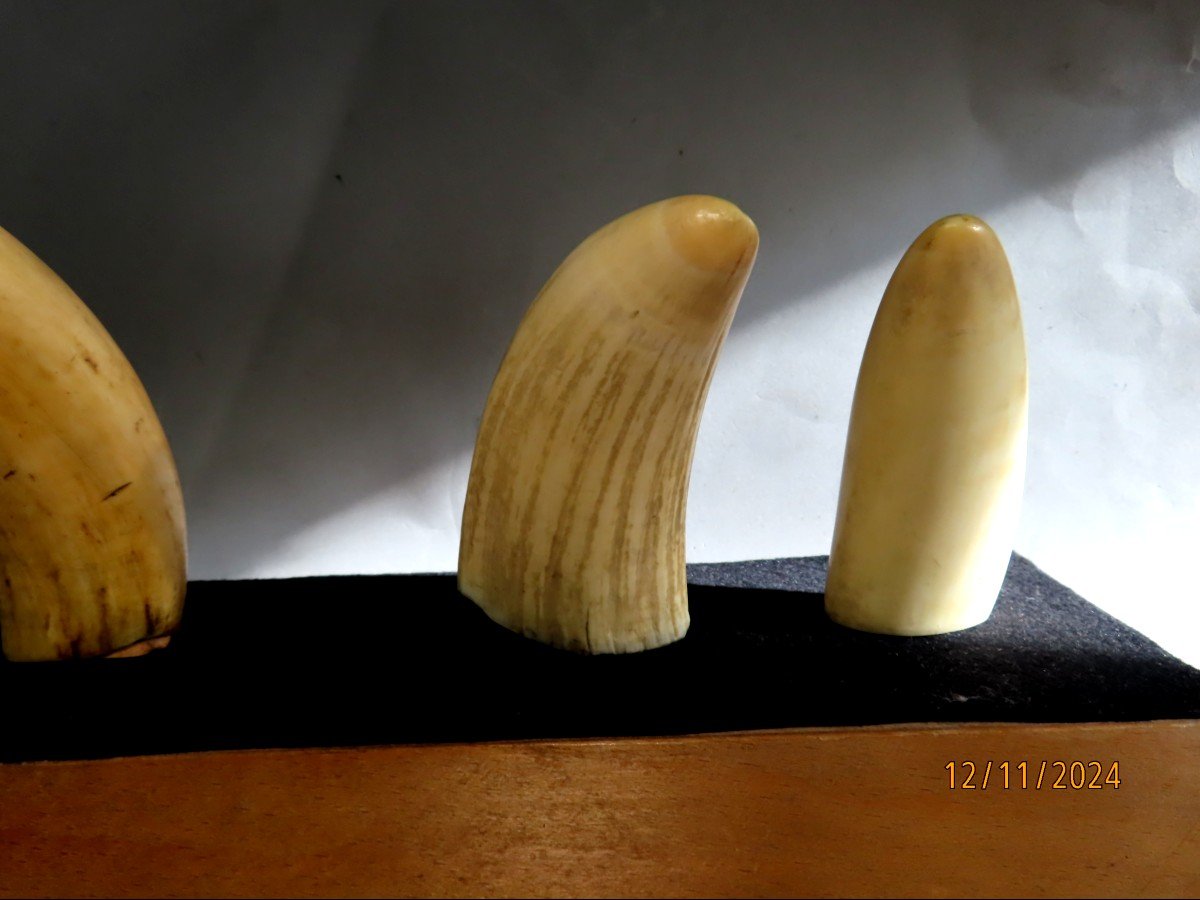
[935, 455]
[573, 528]
[92, 540]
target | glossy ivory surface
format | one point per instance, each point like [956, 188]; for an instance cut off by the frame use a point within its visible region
[92, 534]
[573, 529]
[935, 456]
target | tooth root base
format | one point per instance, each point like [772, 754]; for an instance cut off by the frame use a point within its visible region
[579, 639]
[862, 613]
[141, 648]
[64, 618]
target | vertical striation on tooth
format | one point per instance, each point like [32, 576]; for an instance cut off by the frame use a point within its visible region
[935, 455]
[92, 535]
[573, 528]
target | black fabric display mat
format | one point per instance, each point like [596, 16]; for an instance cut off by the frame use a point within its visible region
[401, 659]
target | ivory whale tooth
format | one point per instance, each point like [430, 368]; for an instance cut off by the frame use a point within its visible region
[93, 552]
[935, 455]
[573, 527]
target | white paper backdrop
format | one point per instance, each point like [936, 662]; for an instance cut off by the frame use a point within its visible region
[314, 227]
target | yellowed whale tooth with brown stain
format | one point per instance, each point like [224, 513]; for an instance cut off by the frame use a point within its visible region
[92, 541]
[935, 456]
[573, 529]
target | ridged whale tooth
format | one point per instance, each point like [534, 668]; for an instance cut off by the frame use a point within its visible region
[92, 539]
[935, 456]
[573, 528]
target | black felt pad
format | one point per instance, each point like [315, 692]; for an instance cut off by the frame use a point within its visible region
[400, 659]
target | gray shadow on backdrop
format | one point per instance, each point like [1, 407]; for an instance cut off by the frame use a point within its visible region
[451, 154]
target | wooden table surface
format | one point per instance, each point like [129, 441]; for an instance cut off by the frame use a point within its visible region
[815, 812]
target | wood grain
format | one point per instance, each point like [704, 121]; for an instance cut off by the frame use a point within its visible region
[816, 813]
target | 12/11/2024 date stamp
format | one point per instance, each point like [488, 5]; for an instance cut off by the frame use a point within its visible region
[1055, 775]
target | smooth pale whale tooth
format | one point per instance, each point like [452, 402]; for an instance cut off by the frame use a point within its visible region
[92, 537]
[935, 455]
[573, 528]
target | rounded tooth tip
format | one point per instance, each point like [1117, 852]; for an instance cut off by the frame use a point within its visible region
[959, 224]
[709, 232]
[957, 232]
[962, 220]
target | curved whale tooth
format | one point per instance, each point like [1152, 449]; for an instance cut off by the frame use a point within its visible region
[573, 528]
[935, 455]
[92, 536]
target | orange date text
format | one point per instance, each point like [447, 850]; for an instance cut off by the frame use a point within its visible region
[1033, 775]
